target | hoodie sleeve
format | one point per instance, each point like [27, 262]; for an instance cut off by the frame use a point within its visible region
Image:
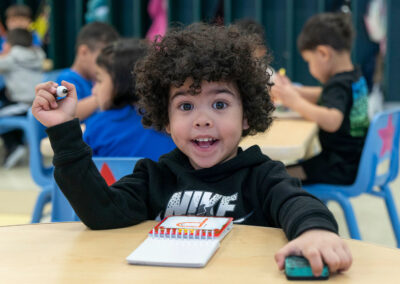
[97, 205]
[290, 207]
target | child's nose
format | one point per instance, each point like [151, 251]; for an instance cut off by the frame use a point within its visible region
[203, 120]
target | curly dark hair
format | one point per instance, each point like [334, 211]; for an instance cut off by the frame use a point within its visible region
[203, 52]
[332, 29]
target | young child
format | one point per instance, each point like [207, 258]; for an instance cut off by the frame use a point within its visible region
[341, 110]
[203, 86]
[21, 66]
[19, 16]
[116, 130]
[90, 41]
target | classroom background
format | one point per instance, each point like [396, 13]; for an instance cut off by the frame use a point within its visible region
[282, 21]
[376, 51]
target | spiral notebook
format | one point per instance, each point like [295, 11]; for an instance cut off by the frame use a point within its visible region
[183, 241]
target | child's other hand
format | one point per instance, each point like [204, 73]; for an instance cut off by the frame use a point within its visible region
[286, 94]
[318, 246]
[281, 79]
[48, 110]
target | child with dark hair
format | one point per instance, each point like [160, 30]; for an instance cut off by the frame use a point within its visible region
[341, 110]
[89, 42]
[203, 86]
[21, 66]
[19, 16]
[116, 130]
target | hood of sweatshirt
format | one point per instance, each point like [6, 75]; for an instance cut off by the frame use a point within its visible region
[27, 57]
[179, 162]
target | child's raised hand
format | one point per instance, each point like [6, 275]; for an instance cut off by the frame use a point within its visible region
[48, 110]
[318, 246]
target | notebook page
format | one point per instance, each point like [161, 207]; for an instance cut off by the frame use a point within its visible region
[174, 252]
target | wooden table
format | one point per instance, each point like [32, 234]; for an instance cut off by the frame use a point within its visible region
[71, 253]
[287, 139]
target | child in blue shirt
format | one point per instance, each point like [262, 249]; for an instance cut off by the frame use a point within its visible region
[90, 41]
[203, 86]
[340, 110]
[116, 130]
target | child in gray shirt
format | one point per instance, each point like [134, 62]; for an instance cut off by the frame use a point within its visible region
[21, 66]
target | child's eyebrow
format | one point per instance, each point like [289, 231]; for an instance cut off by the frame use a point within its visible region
[222, 90]
[179, 93]
[214, 91]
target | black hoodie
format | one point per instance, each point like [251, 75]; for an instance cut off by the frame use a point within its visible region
[251, 188]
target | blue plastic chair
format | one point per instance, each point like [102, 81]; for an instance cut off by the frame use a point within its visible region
[41, 174]
[378, 167]
[9, 123]
[111, 168]
[34, 132]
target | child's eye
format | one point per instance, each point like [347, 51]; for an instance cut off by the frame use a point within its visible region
[219, 105]
[186, 106]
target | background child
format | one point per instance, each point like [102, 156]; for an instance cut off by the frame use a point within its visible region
[203, 86]
[90, 41]
[341, 110]
[21, 65]
[19, 16]
[116, 130]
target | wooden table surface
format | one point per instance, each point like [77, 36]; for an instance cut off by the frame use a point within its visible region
[286, 139]
[71, 253]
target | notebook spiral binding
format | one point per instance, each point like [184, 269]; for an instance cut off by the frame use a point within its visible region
[198, 234]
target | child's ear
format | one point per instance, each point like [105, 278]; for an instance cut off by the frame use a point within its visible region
[168, 129]
[83, 49]
[245, 124]
[324, 52]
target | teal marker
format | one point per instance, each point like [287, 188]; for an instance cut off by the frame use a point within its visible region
[298, 268]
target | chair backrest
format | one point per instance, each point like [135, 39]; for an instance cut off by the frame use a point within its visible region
[114, 168]
[8, 123]
[394, 166]
[41, 174]
[111, 168]
[380, 155]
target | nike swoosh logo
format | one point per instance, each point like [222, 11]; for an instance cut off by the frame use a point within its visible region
[241, 220]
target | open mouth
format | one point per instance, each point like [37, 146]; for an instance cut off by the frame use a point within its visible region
[204, 142]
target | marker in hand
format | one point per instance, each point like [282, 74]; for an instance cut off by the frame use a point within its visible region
[61, 91]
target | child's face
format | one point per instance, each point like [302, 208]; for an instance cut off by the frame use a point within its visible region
[103, 88]
[87, 58]
[318, 64]
[18, 22]
[206, 127]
